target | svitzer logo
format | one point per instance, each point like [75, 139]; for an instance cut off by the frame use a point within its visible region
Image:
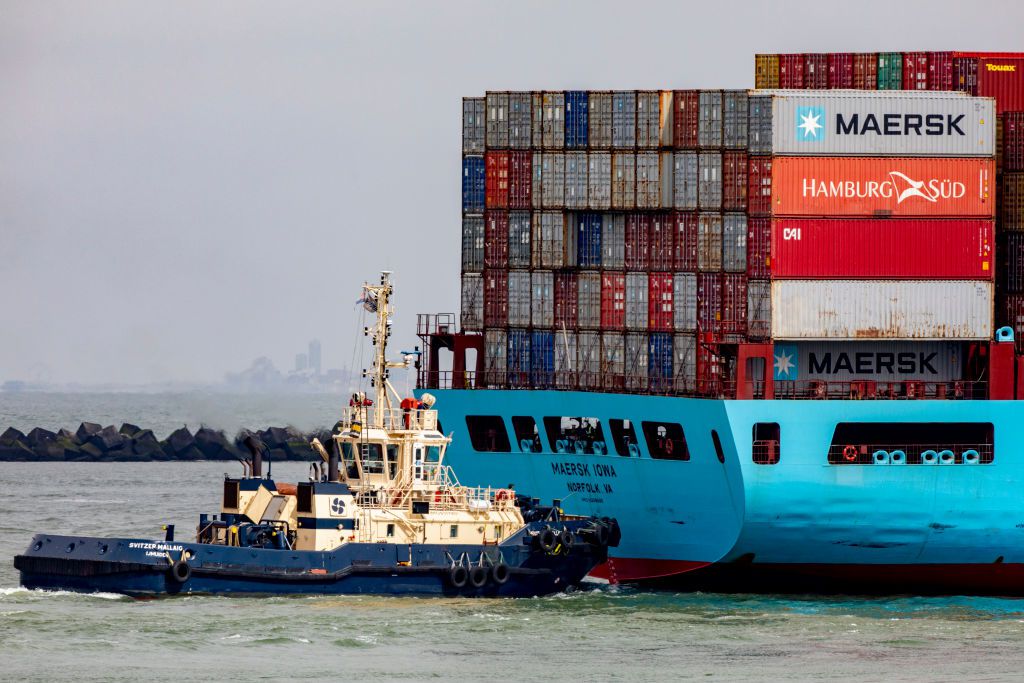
[899, 186]
[1001, 67]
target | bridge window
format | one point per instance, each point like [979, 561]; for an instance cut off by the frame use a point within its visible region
[912, 443]
[665, 440]
[766, 443]
[392, 460]
[348, 459]
[372, 457]
[579, 435]
[304, 498]
[527, 435]
[487, 433]
[624, 436]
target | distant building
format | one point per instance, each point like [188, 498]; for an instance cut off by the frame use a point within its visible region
[315, 361]
[301, 362]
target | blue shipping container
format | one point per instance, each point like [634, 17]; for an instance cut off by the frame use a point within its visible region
[588, 240]
[518, 358]
[473, 178]
[542, 358]
[577, 119]
[659, 360]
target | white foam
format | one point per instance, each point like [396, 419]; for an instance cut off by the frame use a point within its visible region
[48, 593]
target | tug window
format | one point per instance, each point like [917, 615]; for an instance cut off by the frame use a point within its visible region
[391, 530]
[579, 435]
[624, 436]
[392, 461]
[527, 434]
[348, 458]
[666, 440]
[373, 458]
[453, 531]
[766, 443]
[487, 433]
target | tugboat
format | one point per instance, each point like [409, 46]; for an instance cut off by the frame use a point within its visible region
[381, 514]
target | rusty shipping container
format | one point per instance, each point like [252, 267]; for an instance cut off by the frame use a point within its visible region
[709, 242]
[472, 302]
[599, 181]
[648, 180]
[791, 71]
[661, 253]
[816, 71]
[599, 135]
[709, 303]
[638, 234]
[685, 118]
[520, 183]
[759, 248]
[519, 120]
[496, 239]
[549, 247]
[588, 309]
[734, 181]
[759, 309]
[883, 186]
[734, 305]
[909, 248]
[635, 361]
[865, 71]
[684, 240]
[881, 309]
[840, 70]
[940, 71]
[549, 121]
[566, 315]
[624, 119]
[497, 120]
[495, 298]
[766, 71]
[648, 119]
[624, 180]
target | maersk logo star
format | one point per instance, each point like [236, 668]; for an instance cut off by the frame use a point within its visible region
[785, 362]
[810, 124]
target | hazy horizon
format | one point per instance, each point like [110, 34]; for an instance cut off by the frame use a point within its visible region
[187, 187]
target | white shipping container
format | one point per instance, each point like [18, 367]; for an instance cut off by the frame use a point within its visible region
[553, 172]
[636, 360]
[684, 180]
[684, 295]
[648, 182]
[497, 120]
[495, 357]
[519, 294]
[472, 301]
[565, 359]
[588, 359]
[883, 361]
[709, 191]
[599, 180]
[881, 309]
[576, 180]
[519, 230]
[599, 112]
[613, 241]
[734, 242]
[759, 309]
[543, 305]
[624, 119]
[588, 300]
[684, 361]
[636, 301]
[474, 115]
[648, 119]
[882, 123]
[623, 180]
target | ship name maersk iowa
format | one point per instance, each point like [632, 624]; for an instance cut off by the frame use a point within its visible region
[776, 333]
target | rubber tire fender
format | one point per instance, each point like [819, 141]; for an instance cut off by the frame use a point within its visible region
[181, 571]
[458, 576]
[568, 540]
[547, 539]
[477, 576]
[500, 573]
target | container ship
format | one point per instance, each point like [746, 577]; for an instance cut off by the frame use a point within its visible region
[776, 333]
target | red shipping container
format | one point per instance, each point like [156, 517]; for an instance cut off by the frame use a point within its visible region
[520, 184]
[1002, 79]
[496, 180]
[734, 181]
[940, 71]
[1013, 141]
[759, 248]
[496, 239]
[685, 118]
[661, 255]
[495, 298]
[865, 71]
[638, 229]
[791, 71]
[684, 243]
[566, 300]
[709, 368]
[709, 303]
[908, 248]
[613, 300]
[759, 186]
[883, 186]
[816, 71]
[965, 75]
[840, 70]
[915, 70]
[660, 302]
[734, 304]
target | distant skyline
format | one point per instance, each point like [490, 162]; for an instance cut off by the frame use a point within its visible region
[188, 186]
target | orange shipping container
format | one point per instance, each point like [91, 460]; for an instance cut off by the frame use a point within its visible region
[882, 186]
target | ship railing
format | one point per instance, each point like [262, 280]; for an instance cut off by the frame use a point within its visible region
[875, 390]
[393, 419]
[896, 453]
[435, 323]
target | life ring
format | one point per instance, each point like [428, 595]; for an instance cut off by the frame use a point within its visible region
[669, 445]
[458, 576]
[500, 573]
[477, 576]
[849, 453]
[502, 495]
[181, 571]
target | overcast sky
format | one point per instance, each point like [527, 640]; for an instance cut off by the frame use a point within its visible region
[186, 186]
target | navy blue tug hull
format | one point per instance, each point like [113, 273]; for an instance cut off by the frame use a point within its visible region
[146, 568]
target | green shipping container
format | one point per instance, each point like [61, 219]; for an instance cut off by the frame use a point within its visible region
[890, 71]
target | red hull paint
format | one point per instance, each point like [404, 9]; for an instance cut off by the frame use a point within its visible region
[619, 569]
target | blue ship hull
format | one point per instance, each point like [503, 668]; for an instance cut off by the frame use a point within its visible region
[756, 526]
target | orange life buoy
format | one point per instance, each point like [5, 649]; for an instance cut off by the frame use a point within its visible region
[669, 445]
[850, 453]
